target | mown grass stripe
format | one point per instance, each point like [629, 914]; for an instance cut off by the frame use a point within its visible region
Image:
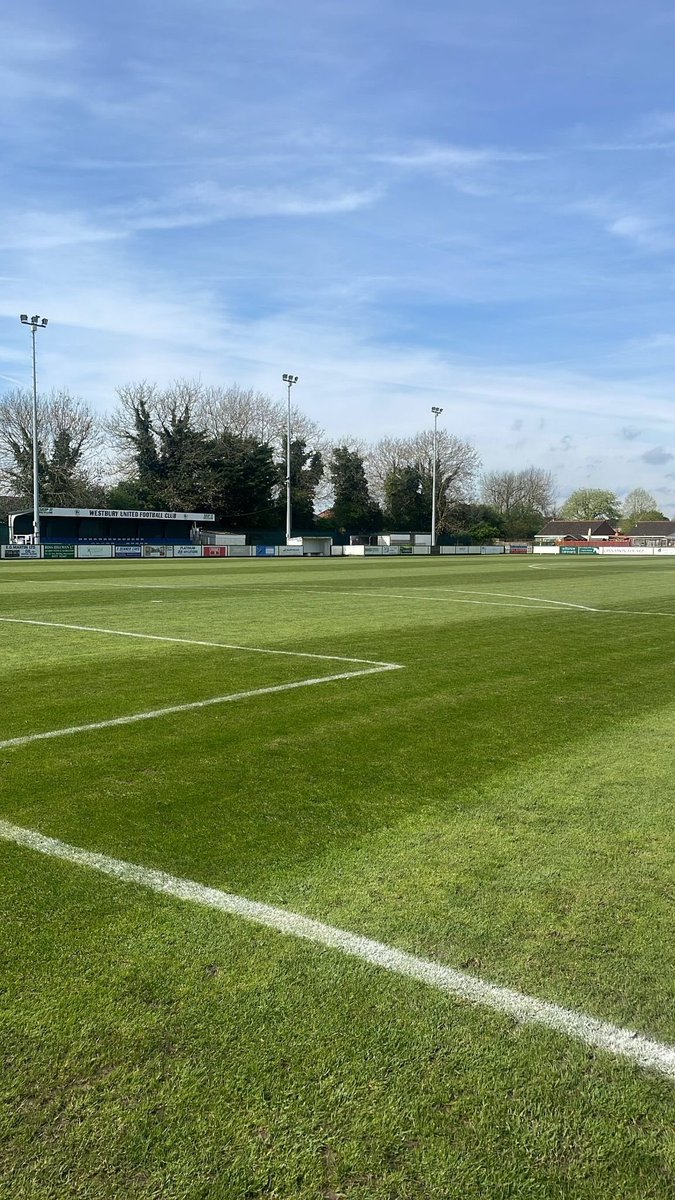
[612, 1039]
[152, 714]
[157, 637]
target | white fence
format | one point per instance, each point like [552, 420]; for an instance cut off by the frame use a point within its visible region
[613, 551]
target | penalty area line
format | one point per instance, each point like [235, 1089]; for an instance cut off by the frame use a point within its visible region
[152, 714]
[601, 1035]
[157, 637]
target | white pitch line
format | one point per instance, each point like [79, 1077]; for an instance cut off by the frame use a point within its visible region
[612, 1039]
[181, 708]
[156, 637]
[542, 604]
[441, 599]
[539, 599]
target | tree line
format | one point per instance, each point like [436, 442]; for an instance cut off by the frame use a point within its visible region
[189, 447]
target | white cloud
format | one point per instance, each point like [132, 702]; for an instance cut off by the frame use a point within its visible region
[644, 232]
[445, 157]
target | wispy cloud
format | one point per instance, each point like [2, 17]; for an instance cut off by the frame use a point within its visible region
[646, 233]
[439, 157]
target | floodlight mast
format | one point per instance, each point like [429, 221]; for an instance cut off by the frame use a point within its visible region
[34, 323]
[289, 380]
[437, 412]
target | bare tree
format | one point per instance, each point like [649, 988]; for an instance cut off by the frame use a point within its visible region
[214, 410]
[529, 490]
[70, 441]
[456, 467]
[637, 502]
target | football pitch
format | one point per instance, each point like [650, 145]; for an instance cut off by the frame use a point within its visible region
[338, 879]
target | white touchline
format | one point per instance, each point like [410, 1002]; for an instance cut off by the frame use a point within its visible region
[156, 637]
[152, 714]
[624, 1043]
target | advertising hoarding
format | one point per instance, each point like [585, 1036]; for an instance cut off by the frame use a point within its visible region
[94, 551]
[158, 552]
[128, 551]
[21, 552]
[58, 551]
[216, 551]
[187, 551]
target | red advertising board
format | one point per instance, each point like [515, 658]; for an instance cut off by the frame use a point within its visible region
[216, 551]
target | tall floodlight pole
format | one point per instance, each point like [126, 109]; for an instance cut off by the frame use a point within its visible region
[289, 380]
[437, 412]
[35, 323]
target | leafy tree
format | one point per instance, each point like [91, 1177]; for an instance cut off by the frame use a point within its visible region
[243, 477]
[353, 507]
[484, 533]
[637, 502]
[588, 504]
[394, 462]
[69, 438]
[125, 494]
[306, 475]
[172, 463]
[652, 514]
[463, 519]
[640, 505]
[406, 507]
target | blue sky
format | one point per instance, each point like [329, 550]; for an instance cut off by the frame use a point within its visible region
[468, 205]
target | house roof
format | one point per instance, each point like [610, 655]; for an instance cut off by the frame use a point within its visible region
[579, 529]
[653, 529]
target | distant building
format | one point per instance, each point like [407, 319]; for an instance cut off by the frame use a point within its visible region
[652, 533]
[599, 529]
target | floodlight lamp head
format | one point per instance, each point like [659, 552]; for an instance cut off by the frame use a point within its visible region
[24, 318]
[35, 320]
[437, 411]
[44, 322]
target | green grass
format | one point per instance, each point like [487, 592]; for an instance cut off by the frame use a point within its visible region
[504, 804]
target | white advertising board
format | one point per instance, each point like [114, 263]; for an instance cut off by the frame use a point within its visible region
[187, 551]
[290, 551]
[94, 551]
[157, 552]
[625, 550]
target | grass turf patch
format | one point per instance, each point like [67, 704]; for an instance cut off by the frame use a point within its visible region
[501, 805]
